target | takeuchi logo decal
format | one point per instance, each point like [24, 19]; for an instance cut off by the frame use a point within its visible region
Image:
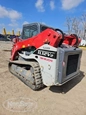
[46, 53]
[20, 104]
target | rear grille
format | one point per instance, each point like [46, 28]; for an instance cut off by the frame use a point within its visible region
[72, 63]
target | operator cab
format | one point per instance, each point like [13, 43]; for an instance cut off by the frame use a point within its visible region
[30, 30]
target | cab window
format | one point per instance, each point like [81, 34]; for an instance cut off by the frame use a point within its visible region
[29, 31]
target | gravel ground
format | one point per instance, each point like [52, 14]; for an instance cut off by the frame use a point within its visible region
[18, 99]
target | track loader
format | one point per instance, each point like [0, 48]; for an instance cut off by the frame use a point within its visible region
[45, 56]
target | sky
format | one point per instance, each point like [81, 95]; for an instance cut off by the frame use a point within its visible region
[15, 13]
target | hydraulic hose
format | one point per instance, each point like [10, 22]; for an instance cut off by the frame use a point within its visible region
[62, 35]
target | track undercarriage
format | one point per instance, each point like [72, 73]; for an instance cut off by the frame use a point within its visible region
[28, 72]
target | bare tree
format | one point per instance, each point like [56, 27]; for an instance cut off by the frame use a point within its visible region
[83, 20]
[72, 25]
[68, 25]
[77, 26]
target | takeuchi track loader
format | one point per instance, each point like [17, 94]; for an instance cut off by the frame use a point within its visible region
[45, 56]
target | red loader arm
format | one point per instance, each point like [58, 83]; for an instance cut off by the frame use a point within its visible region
[48, 36]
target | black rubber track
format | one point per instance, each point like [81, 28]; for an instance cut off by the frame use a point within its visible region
[35, 72]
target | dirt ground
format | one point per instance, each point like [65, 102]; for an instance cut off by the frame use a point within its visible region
[69, 99]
